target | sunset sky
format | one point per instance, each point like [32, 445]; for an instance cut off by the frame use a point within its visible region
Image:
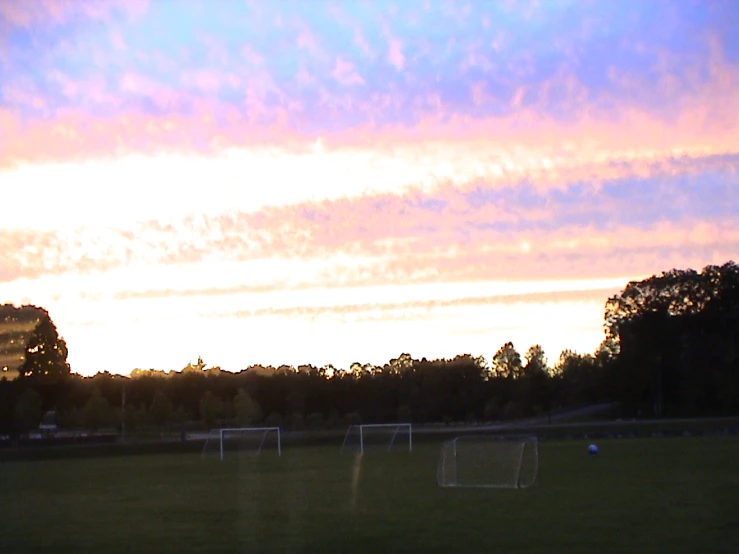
[329, 182]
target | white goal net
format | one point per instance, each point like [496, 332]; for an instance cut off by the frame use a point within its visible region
[510, 462]
[242, 440]
[385, 436]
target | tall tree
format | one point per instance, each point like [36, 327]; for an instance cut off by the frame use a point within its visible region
[537, 383]
[211, 409]
[507, 362]
[245, 408]
[46, 354]
[97, 412]
[676, 334]
[30, 346]
[160, 410]
[28, 410]
[133, 417]
[536, 361]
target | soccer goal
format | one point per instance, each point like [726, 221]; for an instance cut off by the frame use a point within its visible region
[252, 440]
[504, 462]
[360, 438]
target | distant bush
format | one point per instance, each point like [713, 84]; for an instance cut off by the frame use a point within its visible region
[274, 419]
[315, 421]
[352, 418]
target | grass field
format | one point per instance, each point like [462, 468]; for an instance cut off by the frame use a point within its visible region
[666, 495]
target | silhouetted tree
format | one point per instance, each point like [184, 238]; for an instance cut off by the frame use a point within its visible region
[677, 337]
[671, 347]
[507, 362]
[97, 412]
[536, 383]
[133, 417]
[160, 410]
[315, 420]
[245, 408]
[211, 409]
[45, 354]
[28, 410]
[536, 361]
[404, 414]
[274, 420]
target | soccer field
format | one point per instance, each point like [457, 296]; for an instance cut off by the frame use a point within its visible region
[640, 495]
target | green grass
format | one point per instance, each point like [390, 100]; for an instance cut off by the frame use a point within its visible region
[642, 495]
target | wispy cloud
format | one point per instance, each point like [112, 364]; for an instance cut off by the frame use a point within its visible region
[307, 40]
[475, 233]
[345, 73]
[395, 53]
[363, 45]
[275, 166]
[58, 12]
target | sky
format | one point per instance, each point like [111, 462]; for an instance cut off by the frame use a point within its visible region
[315, 182]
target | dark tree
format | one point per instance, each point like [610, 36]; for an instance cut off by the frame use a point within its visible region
[677, 335]
[133, 418]
[97, 412]
[7, 397]
[671, 348]
[160, 410]
[507, 362]
[536, 382]
[30, 346]
[45, 354]
[28, 410]
[245, 408]
[536, 361]
[211, 409]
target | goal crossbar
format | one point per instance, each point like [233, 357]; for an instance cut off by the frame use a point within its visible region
[395, 426]
[264, 430]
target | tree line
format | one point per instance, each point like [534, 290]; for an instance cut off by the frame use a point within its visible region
[671, 348]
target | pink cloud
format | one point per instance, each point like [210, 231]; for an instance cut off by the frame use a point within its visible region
[133, 9]
[705, 127]
[117, 41]
[396, 237]
[27, 98]
[362, 44]
[475, 58]
[480, 96]
[395, 53]
[499, 42]
[131, 82]
[517, 99]
[16, 13]
[304, 78]
[216, 48]
[73, 136]
[94, 89]
[695, 131]
[30, 13]
[715, 100]
[705, 121]
[461, 12]
[415, 309]
[306, 40]
[207, 81]
[345, 73]
[141, 86]
[251, 56]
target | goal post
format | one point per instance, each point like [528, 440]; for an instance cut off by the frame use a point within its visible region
[509, 462]
[253, 439]
[361, 437]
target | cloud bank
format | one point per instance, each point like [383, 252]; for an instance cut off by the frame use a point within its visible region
[318, 165]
